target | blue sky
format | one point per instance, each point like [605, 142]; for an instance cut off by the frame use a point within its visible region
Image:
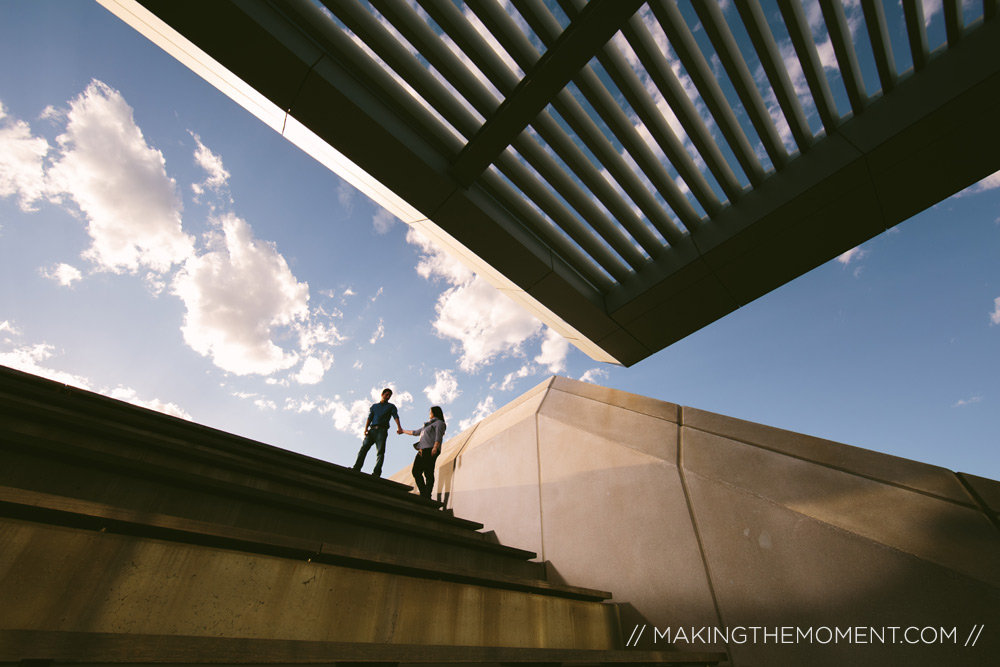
[161, 245]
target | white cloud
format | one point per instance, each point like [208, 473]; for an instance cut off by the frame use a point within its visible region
[379, 332]
[22, 170]
[593, 375]
[120, 184]
[235, 297]
[991, 182]
[383, 221]
[554, 351]
[129, 396]
[313, 369]
[852, 255]
[298, 407]
[484, 409]
[968, 401]
[995, 315]
[436, 263]
[479, 318]
[29, 359]
[444, 390]
[483, 322]
[265, 404]
[64, 274]
[7, 327]
[522, 372]
[350, 417]
[217, 177]
[347, 418]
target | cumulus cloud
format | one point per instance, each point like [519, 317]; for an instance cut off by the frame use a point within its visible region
[554, 351]
[444, 390]
[313, 369]
[120, 184]
[483, 322]
[436, 263]
[484, 409]
[22, 162]
[995, 315]
[594, 375]
[236, 296]
[64, 274]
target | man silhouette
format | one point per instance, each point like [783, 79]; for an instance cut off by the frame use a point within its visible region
[376, 430]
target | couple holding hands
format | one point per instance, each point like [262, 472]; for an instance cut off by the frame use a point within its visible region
[428, 447]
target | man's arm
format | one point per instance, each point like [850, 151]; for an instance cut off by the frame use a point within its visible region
[399, 427]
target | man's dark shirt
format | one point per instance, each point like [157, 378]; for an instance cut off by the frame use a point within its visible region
[380, 413]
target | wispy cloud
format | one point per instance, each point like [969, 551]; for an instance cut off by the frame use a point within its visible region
[484, 409]
[33, 358]
[383, 221]
[594, 375]
[995, 315]
[968, 401]
[991, 182]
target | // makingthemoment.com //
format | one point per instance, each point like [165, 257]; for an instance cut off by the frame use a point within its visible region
[808, 635]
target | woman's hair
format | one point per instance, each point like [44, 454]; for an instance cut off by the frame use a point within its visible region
[436, 411]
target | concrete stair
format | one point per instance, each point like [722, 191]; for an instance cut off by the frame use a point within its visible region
[132, 537]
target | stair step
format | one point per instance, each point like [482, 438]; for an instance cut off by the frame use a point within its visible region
[74, 513]
[147, 488]
[191, 445]
[19, 645]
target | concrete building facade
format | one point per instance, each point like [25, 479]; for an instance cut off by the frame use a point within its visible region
[704, 525]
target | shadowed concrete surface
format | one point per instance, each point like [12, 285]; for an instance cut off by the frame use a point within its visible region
[699, 521]
[133, 537]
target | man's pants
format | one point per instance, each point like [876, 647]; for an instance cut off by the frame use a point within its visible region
[423, 471]
[376, 436]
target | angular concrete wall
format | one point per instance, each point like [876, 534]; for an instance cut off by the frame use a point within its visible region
[695, 520]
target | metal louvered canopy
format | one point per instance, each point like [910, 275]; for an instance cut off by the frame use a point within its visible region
[628, 171]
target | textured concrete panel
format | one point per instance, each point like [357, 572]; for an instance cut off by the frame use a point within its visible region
[498, 479]
[623, 399]
[82, 581]
[773, 567]
[617, 518]
[649, 435]
[937, 530]
[892, 469]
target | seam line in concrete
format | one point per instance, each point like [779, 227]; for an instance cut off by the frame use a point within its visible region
[983, 507]
[541, 511]
[898, 485]
[697, 532]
